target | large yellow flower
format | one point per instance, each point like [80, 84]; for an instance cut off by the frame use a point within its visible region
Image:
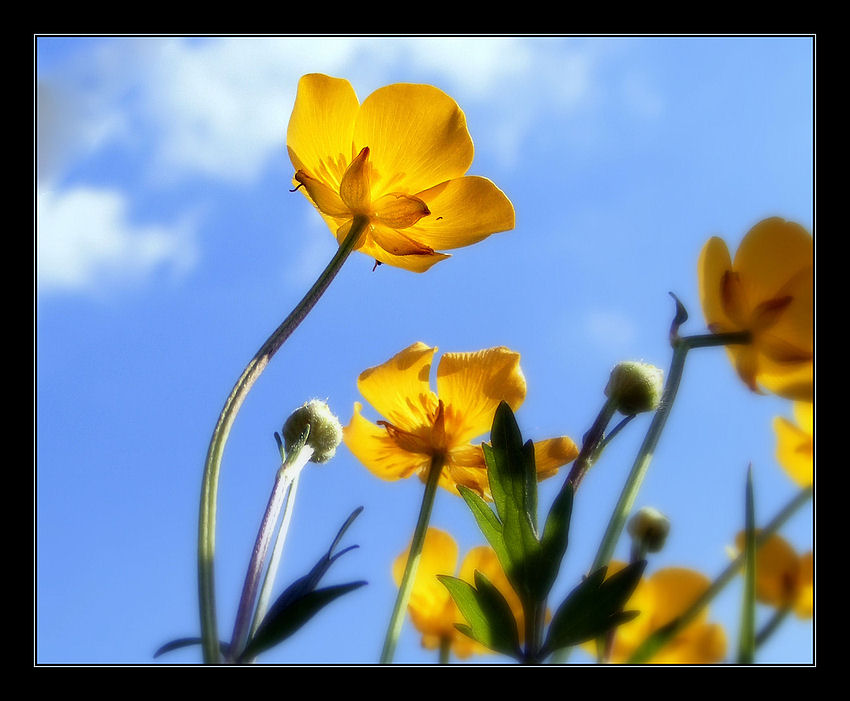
[661, 598]
[768, 290]
[419, 425]
[795, 446]
[784, 579]
[398, 159]
[432, 608]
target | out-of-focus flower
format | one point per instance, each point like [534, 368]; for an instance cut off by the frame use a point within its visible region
[420, 425]
[399, 159]
[768, 291]
[661, 598]
[432, 608]
[784, 579]
[649, 528]
[795, 443]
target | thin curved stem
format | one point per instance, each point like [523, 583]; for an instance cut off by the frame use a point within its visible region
[413, 557]
[212, 466]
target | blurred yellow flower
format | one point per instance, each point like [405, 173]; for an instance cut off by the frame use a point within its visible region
[399, 159]
[432, 608]
[784, 579]
[420, 425]
[795, 443]
[661, 598]
[769, 291]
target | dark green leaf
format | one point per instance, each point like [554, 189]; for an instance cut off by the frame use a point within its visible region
[489, 617]
[276, 628]
[188, 642]
[553, 543]
[593, 608]
[747, 634]
[487, 521]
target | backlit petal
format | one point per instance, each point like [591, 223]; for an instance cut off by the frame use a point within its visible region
[794, 451]
[355, 188]
[714, 263]
[399, 388]
[472, 384]
[777, 571]
[372, 446]
[431, 607]
[463, 211]
[770, 255]
[417, 135]
[551, 454]
[397, 243]
[674, 590]
[323, 197]
[399, 211]
[321, 128]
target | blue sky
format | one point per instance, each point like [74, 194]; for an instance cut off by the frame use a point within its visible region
[169, 247]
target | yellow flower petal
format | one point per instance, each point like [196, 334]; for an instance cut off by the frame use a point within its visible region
[674, 590]
[373, 446]
[463, 211]
[397, 243]
[324, 198]
[321, 128]
[355, 190]
[704, 643]
[472, 384]
[417, 136]
[714, 263]
[795, 449]
[804, 606]
[398, 211]
[431, 607]
[399, 388]
[770, 255]
[552, 453]
[777, 571]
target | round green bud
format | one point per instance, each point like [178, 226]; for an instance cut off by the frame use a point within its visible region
[325, 429]
[635, 387]
[649, 527]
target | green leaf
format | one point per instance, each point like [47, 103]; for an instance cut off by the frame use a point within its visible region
[301, 601]
[747, 633]
[489, 617]
[487, 521]
[593, 608]
[188, 642]
[553, 542]
[285, 621]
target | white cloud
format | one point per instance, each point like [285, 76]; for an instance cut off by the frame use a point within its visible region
[86, 241]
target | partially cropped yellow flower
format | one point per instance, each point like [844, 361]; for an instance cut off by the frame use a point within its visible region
[660, 598]
[431, 607]
[784, 579]
[399, 159]
[420, 425]
[795, 443]
[767, 290]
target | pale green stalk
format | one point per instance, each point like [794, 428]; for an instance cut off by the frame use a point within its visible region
[413, 557]
[212, 466]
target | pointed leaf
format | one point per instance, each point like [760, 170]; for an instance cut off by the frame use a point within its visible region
[489, 617]
[553, 543]
[487, 521]
[188, 642]
[747, 633]
[594, 607]
[286, 621]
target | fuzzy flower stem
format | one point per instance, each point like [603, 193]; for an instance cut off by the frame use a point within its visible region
[293, 465]
[413, 557]
[591, 443]
[681, 346]
[212, 466]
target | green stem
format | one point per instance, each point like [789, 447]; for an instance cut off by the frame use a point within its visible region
[770, 627]
[681, 346]
[445, 650]
[591, 444]
[655, 641]
[534, 632]
[212, 466]
[413, 557]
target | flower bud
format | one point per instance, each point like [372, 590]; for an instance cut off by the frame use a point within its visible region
[325, 429]
[649, 529]
[635, 387]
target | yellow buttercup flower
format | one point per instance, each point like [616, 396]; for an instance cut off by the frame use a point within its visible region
[768, 291]
[420, 425]
[661, 598]
[784, 579]
[400, 159]
[795, 443]
[431, 607]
